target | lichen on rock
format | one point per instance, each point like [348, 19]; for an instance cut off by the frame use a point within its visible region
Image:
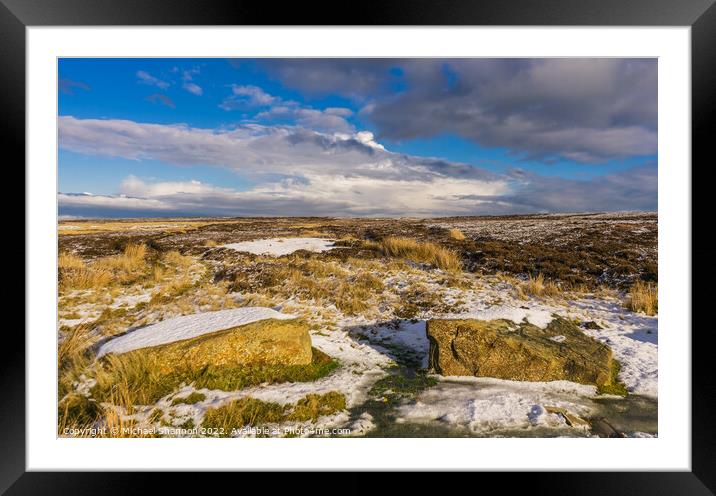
[523, 352]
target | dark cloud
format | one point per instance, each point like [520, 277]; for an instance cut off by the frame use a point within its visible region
[634, 189]
[587, 110]
[358, 78]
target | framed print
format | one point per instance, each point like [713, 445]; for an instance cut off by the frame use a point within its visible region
[432, 240]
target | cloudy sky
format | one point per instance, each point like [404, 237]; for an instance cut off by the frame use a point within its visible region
[356, 137]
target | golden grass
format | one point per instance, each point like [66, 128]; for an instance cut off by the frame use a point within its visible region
[85, 278]
[70, 261]
[456, 234]
[426, 252]
[371, 245]
[319, 268]
[171, 290]
[73, 344]
[124, 268]
[351, 289]
[249, 411]
[313, 406]
[131, 260]
[81, 416]
[210, 243]
[539, 287]
[175, 258]
[158, 273]
[351, 299]
[643, 297]
[66, 228]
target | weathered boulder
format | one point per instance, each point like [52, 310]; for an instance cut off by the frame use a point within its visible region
[522, 352]
[271, 342]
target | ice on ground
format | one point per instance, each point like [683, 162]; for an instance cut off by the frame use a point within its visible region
[484, 404]
[187, 327]
[362, 425]
[282, 246]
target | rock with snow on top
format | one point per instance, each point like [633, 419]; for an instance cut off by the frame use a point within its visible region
[266, 342]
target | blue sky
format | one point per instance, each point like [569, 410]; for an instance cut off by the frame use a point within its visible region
[355, 137]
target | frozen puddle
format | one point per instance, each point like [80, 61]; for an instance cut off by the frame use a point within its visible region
[282, 246]
[485, 404]
[187, 327]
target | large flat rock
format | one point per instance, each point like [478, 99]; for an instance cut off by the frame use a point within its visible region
[522, 352]
[187, 327]
[271, 342]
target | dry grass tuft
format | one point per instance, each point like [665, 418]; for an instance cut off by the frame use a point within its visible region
[313, 406]
[456, 234]
[128, 267]
[158, 273]
[426, 252]
[351, 299]
[73, 345]
[85, 278]
[70, 261]
[643, 297]
[249, 411]
[175, 258]
[131, 260]
[539, 287]
[242, 412]
[210, 243]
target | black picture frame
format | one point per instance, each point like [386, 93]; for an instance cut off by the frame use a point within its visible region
[16, 15]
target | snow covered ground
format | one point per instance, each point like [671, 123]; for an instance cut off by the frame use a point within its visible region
[282, 246]
[187, 327]
[369, 347]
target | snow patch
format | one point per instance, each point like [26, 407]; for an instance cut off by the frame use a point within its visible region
[538, 317]
[282, 246]
[187, 327]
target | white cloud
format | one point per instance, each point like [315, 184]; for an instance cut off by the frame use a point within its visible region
[247, 96]
[250, 149]
[331, 119]
[66, 200]
[146, 78]
[311, 195]
[193, 88]
[304, 172]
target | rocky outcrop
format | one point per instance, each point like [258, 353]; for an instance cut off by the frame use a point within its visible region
[271, 342]
[522, 352]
